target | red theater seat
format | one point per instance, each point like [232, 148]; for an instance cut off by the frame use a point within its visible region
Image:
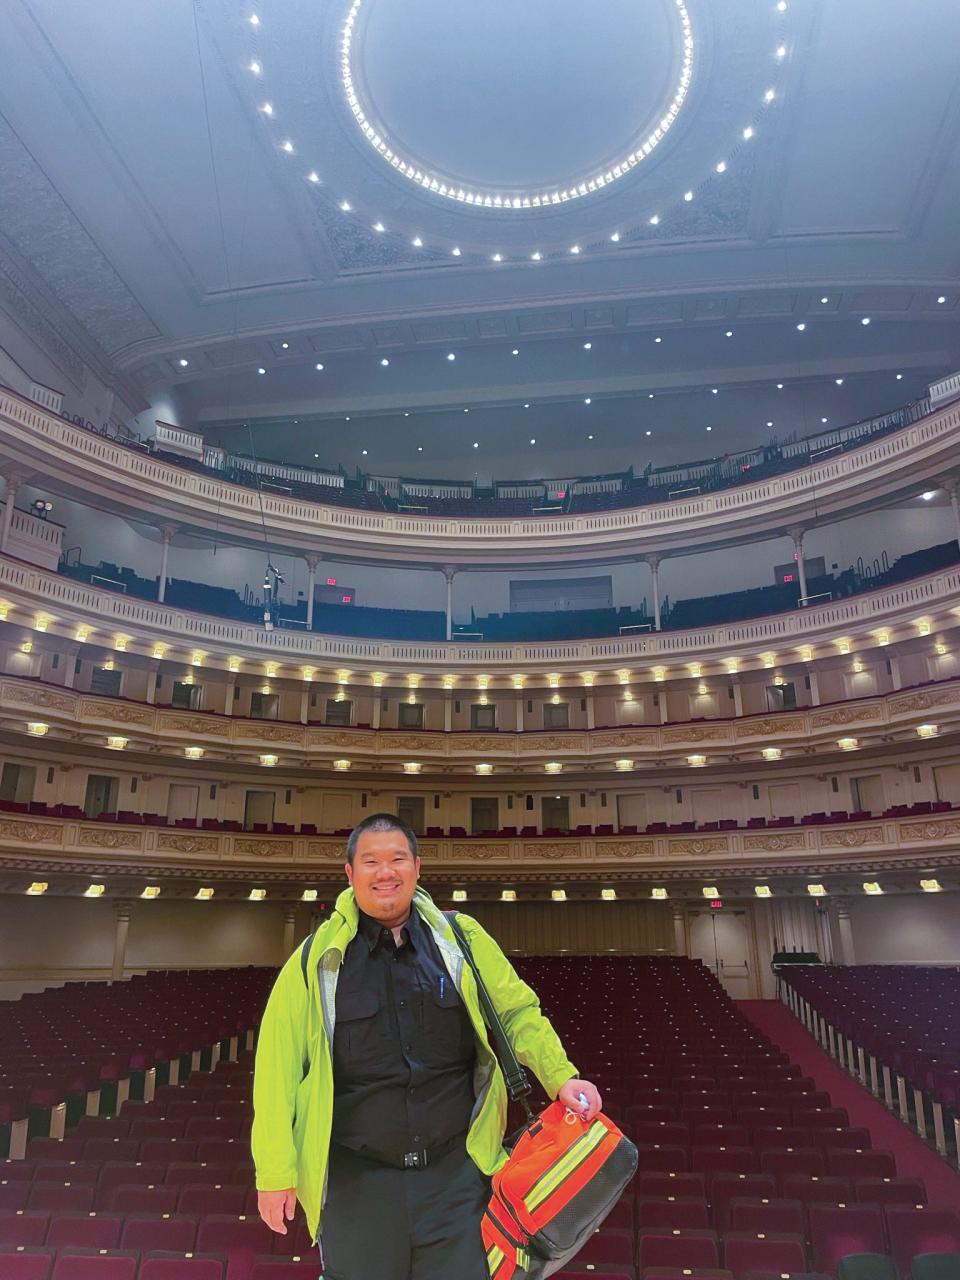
[26, 1264]
[678, 1249]
[95, 1264]
[754, 1254]
[836, 1231]
[92, 1231]
[912, 1231]
[174, 1266]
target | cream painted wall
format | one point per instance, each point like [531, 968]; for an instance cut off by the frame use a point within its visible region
[921, 928]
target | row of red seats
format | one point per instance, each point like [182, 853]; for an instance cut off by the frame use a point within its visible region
[42, 1263]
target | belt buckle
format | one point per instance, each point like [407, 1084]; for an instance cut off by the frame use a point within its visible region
[415, 1159]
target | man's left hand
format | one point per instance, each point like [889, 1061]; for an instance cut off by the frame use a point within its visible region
[569, 1095]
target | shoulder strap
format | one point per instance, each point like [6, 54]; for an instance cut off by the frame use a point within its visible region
[517, 1080]
[305, 956]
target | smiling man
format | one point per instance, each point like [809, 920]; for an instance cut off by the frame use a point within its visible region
[378, 1102]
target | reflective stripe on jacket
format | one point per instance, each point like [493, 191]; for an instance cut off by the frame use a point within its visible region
[293, 1080]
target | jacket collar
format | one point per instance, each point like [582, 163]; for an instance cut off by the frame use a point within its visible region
[344, 922]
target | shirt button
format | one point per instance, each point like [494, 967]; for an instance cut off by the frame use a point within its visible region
[411, 1092]
[403, 1004]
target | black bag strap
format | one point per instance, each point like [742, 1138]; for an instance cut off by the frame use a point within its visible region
[517, 1080]
[305, 956]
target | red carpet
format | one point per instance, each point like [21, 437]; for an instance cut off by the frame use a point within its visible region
[913, 1158]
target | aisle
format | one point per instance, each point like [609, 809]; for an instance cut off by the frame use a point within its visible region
[888, 1133]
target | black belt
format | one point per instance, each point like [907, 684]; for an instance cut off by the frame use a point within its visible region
[416, 1159]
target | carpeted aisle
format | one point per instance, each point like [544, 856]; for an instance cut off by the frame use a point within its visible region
[913, 1158]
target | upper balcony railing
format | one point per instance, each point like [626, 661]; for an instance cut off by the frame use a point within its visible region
[113, 475]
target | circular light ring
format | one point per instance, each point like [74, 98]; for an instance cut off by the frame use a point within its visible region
[451, 189]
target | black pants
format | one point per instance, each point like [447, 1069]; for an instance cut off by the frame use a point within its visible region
[381, 1223]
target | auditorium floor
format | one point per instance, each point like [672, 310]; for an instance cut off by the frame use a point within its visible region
[913, 1157]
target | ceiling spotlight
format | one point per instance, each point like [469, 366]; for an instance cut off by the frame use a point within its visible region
[496, 257]
[782, 51]
[722, 166]
[255, 67]
[709, 428]
[384, 362]
[254, 20]
[319, 368]
[688, 196]
[748, 133]
[929, 495]
[781, 6]
[476, 444]
[313, 176]
[941, 300]
[615, 237]
[515, 351]
[649, 433]
[574, 248]
[286, 145]
[526, 406]
[587, 400]
[419, 448]
[536, 256]
[865, 320]
[285, 346]
[364, 452]
[801, 326]
[587, 346]
[715, 391]
[729, 333]
[824, 421]
[466, 411]
[770, 95]
[838, 381]
[378, 226]
[345, 206]
[769, 424]
[824, 301]
[417, 242]
[650, 396]
[455, 251]
[658, 339]
[183, 363]
[899, 377]
[267, 108]
[451, 355]
[261, 370]
[655, 220]
[533, 440]
[779, 386]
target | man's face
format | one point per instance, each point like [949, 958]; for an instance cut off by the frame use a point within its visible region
[384, 876]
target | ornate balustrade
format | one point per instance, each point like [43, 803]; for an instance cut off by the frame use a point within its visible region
[107, 474]
[27, 593]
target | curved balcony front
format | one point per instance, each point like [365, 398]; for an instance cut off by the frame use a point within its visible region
[133, 483]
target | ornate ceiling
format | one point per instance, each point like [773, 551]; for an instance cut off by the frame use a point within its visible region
[153, 212]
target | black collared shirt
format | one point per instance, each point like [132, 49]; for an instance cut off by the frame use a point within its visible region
[403, 1046]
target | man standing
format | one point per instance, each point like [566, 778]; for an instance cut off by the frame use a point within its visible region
[377, 1097]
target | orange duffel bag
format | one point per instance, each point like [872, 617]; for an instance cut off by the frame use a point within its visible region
[563, 1176]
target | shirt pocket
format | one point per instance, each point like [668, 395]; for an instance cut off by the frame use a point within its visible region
[360, 1027]
[449, 1036]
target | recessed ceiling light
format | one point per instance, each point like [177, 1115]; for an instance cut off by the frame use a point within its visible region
[941, 300]
[466, 411]
[319, 368]
[709, 428]
[267, 108]
[364, 452]
[285, 346]
[419, 448]
[451, 355]
[347, 418]
[313, 176]
[590, 437]
[688, 196]
[715, 391]
[899, 377]
[536, 256]
[574, 248]
[801, 326]
[779, 386]
[729, 333]
[748, 133]
[476, 444]
[254, 20]
[406, 413]
[587, 346]
[655, 220]
[515, 351]
[256, 67]
[378, 226]
[824, 301]
[183, 363]
[384, 362]
[533, 440]
[615, 237]
[650, 396]
[455, 251]
[417, 242]
[649, 433]
[824, 421]
[587, 400]
[526, 406]
[658, 339]
[286, 145]
[838, 381]
[261, 370]
[782, 51]
[781, 6]
[770, 95]
[722, 166]
[769, 424]
[497, 257]
[316, 455]
[345, 206]
[865, 320]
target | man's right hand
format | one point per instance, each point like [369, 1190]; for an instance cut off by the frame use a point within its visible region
[274, 1206]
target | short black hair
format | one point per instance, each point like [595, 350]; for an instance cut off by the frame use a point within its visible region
[380, 822]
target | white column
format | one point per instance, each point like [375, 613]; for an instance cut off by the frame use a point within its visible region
[953, 489]
[152, 676]
[228, 696]
[122, 911]
[289, 925]
[449, 573]
[654, 563]
[167, 532]
[377, 707]
[797, 536]
[305, 704]
[679, 931]
[70, 674]
[896, 676]
[737, 697]
[591, 710]
[814, 687]
[844, 932]
[520, 697]
[447, 710]
[10, 500]
[313, 562]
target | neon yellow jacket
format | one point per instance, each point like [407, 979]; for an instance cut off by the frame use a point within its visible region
[293, 1080]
